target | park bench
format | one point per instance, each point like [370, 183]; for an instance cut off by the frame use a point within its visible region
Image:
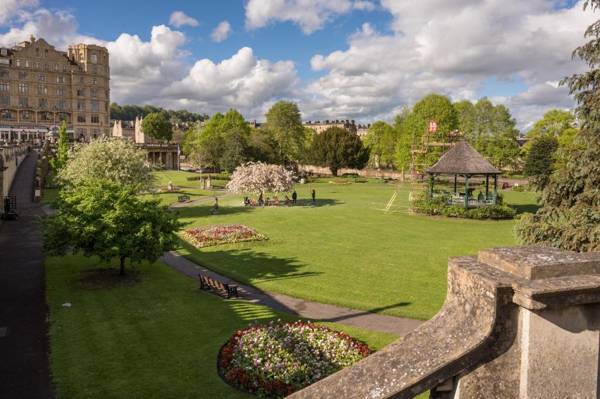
[183, 198]
[210, 284]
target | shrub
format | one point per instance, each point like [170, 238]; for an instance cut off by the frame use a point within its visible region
[439, 206]
[277, 359]
[495, 212]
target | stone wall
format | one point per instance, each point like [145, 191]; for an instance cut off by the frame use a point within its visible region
[371, 173]
[10, 159]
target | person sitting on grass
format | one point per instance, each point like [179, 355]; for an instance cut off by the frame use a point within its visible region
[246, 201]
[276, 200]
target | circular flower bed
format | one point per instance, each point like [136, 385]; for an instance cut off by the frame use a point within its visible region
[277, 359]
[221, 234]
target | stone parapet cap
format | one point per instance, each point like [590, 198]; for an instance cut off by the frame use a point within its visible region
[536, 262]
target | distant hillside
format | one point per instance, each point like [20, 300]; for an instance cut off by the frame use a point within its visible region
[130, 112]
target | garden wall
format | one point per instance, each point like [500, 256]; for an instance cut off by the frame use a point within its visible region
[372, 173]
[10, 159]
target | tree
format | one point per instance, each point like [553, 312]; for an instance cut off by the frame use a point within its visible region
[260, 178]
[570, 214]
[381, 142]
[62, 149]
[106, 219]
[262, 146]
[540, 159]
[403, 131]
[559, 124]
[112, 159]
[158, 126]
[285, 123]
[338, 148]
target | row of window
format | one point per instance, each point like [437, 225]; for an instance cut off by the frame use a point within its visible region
[42, 90]
[42, 78]
[45, 116]
[53, 67]
[61, 104]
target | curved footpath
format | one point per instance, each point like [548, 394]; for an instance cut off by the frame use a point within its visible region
[300, 307]
[24, 370]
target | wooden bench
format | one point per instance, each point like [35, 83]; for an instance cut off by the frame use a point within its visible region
[210, 284]
[183, 198]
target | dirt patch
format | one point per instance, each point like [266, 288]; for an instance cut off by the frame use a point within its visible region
[101, 278]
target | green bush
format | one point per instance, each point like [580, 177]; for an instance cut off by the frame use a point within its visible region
[439, 206]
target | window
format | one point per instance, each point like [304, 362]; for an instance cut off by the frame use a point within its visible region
[6, 114]
[41, 90]
[45, 52]
[18, 62]
[42, 77]
[94, 92]
[95, 107]
[64, 68]
[22, 75]
[95, 69]
[23, 101]
[46, 67]
[5, 101]
[60, 91]
[23, 88]
[26, 115]
[27, 64]
[94, 81]
[4, 86]
[37, 51]
[60, 79]
[37, 65]
[80, 118]
[43, 103]
[81, 92]
[95, 119]
[47, 116]
[80, 105]
[55, 66]
[61, 104]
[4, 73]
[81, 79]
[94, 58]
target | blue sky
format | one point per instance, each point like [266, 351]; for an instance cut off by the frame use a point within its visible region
[359, 59]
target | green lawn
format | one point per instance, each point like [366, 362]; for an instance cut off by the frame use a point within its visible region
[346, 250]
[155, 336]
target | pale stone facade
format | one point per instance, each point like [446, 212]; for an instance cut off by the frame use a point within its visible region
[40, 87]
[350, 125]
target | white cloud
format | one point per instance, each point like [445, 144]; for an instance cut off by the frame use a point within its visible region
[452, 47]
[310, 15]
[179, 19]
[221, 32]
[243, 81]
[12, 8]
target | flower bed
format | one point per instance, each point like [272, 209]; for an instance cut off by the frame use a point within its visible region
[277, 359]
[221, 234]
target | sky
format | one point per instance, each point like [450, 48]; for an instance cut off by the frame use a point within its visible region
[338, 59]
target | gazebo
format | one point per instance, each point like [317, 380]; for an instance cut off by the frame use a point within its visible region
[464, 160]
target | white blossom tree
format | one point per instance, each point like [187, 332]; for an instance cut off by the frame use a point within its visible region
[111, 159]
[259, 178]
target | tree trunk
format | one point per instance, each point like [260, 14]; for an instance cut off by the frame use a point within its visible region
[122, 267]
[334, 170]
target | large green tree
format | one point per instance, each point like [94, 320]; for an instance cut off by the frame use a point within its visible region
[337, 148]
[62, 149]
[112, 159]
[109, 220]
[158, 126]
[539, 163]
[559, 124]
[381, 142]
[284, 122]
[570, 214]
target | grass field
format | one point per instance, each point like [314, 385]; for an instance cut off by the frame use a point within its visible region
[346, 250]
[153, 336]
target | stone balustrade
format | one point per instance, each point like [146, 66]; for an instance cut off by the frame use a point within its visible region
[519, 322]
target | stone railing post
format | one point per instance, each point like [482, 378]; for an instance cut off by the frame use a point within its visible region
[519, 322]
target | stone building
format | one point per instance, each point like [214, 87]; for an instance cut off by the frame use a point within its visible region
[40, 87]
[350, 125]
[159, 154]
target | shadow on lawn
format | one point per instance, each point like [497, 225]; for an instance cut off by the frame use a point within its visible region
[205, 210]
[367, 312]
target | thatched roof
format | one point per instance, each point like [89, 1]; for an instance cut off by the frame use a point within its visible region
[463, 159]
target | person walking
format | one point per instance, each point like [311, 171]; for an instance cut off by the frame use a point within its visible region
[294, 197]
[314, 196]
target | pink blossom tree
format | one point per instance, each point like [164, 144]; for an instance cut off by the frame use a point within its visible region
[259, 178]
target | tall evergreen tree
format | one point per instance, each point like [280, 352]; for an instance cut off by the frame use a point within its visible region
[570, 214]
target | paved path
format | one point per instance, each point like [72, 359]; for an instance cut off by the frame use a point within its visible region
[300, 307]
[24, 371]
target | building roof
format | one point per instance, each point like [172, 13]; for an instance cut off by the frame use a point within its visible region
[463, 159]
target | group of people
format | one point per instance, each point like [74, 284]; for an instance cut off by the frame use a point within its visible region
[275, 200]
